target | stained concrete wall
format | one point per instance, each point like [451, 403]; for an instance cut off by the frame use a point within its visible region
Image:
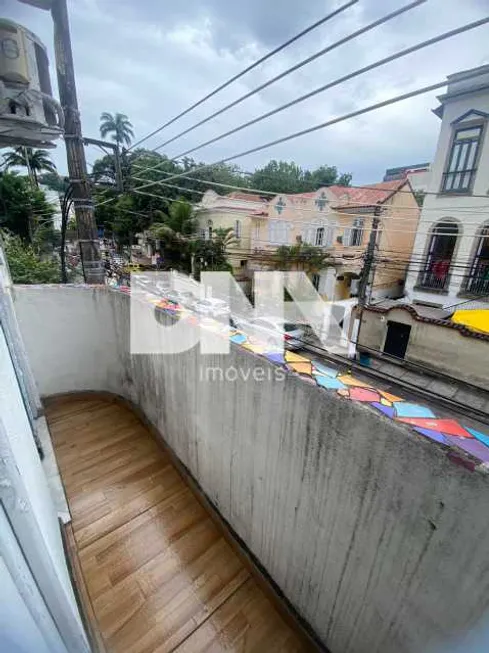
[374, 535]
[441, 348]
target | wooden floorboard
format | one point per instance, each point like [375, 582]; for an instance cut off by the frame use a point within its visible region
[159, 574]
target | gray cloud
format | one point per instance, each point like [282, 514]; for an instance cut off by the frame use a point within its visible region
[151, 59]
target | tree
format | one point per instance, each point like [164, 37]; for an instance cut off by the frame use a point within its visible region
[288, 177]
[53, 181]
[210, 256]
[22, 208]
[26, 264]
[118, 125]
[174, 232]
[26, 157]
[226, 236]
[301, 257]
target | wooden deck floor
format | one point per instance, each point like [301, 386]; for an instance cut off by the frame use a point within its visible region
[159, 573]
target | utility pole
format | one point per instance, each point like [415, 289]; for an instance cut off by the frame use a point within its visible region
[369, 258]
[93, 270]
[117, 158]
[368, 267]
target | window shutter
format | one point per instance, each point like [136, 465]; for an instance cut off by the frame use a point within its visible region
[346, 236]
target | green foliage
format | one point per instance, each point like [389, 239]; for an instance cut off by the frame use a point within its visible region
[26, 264]
[157, 201]
[209, 255]
[288, 177]
[180, 217]
[226, 236]
[118, 126]
[173, 230]
[103, 171]
[22, 208]
[25, 157]
[53, 181]
[301, 257]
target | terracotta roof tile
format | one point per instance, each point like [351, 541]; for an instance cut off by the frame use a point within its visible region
[372, 194]
[236, 195]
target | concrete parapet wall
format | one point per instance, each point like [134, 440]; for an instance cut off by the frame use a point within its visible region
[375, 537]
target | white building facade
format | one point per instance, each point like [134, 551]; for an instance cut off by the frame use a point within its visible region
[450, 262]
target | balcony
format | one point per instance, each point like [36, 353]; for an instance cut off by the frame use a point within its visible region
[478, 281]
[435, 276]
[160, 573]
[255, 497]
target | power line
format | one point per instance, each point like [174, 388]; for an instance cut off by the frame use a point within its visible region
[328, 123]
[387, 230]
[336, 82]
[256, 191]
[248, 69]
[475, 211]
[297, 66]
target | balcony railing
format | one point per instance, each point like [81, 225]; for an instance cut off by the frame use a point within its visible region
[478, 283]
[459, 181]
[436, 275]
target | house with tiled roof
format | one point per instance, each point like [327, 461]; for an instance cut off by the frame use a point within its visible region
[231, 211]
[335, 219]
[338, 220]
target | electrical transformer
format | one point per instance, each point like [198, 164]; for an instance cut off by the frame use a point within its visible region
[29, 115]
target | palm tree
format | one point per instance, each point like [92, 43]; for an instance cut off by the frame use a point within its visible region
[303, 257]
[227, 237]
[34, 160]
[117, 124]
[174, 233]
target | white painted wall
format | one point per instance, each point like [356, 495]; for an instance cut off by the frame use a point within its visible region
[15, 424]
[18, 631]
[470, 212]
[25, 623]
[88, 325]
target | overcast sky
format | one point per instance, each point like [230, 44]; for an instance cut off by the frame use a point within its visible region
[150, 59]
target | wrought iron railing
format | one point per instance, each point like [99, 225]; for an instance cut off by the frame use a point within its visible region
[436, 275]
[478, 284]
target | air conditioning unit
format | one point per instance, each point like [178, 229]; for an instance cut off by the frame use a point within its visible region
[29, 115]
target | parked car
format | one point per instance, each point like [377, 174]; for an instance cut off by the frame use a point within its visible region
[274, 331]
[216, 308]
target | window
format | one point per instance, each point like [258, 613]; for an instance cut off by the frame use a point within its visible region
[356, 238]
[278, 232]
[478, 280]
[462, 161]
[441, 246]
[257, 232]
[203, 233]
[315, 281]
[353, 236]
[209, 230]
[237, 228]
[319, 237]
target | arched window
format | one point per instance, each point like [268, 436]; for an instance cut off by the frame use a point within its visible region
[441, 246]
[478, 280]
[209, 229]
[237, 228]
